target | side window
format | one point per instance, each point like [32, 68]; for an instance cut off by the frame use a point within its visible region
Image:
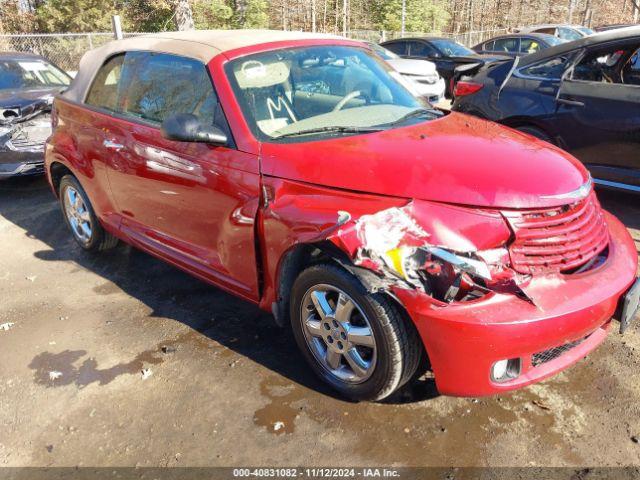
[399, 48]
[634, 62]
[549, 69]
[158, 85]
[611, 65]
[509, 45]
[631, 71]
[529, 45]
[488, 46]
[420, 49]
[104, 90]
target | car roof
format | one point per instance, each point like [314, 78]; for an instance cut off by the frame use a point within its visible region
[201, 45]
[547, 25]
[427, 38]
[541, 36]
[21, 55]
[225, 40]
[595, 39]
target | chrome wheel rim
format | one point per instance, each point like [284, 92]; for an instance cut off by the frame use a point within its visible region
[338, 334]
[78, 215]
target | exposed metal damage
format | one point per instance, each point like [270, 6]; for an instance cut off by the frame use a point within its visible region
[402, 253]
[23, 132]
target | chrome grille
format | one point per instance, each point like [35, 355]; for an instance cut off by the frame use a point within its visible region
[557, 239]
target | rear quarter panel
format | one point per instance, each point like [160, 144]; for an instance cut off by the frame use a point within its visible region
[74, 143]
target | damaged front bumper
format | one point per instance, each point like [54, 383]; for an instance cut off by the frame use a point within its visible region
[22, 146]
[563, 319]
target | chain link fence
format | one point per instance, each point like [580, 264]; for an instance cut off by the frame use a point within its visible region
[63, 49]
[66, 49]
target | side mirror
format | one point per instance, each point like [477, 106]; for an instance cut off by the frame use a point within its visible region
[186, 127]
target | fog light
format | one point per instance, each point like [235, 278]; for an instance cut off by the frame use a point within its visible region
[504, 370]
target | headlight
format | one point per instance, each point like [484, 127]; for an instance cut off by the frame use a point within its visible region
[443, 273]
[466, 264]
[405, 260]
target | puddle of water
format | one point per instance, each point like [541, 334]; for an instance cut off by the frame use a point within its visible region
[279, 415]
[88, 372]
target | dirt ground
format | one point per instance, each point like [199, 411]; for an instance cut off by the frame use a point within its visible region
[224, 386]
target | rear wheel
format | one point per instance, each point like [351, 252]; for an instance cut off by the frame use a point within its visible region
[357, 342]
[80, 217]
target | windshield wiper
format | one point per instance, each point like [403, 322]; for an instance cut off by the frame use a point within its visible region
[418, 112]
[331, 129]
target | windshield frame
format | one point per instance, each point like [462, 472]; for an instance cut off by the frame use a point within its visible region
[383, 52]
[240, 108]
[57, 70]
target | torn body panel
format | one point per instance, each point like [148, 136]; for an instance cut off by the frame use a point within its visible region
[447, 252]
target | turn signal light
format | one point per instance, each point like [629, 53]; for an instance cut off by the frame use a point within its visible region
[466, 88]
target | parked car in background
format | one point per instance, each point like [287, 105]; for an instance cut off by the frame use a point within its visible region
[422, 75]
[447, 54]
[388, 235]
[516, 45]
[563, 31]
[604, 28]
[583, 96]
[28, 84]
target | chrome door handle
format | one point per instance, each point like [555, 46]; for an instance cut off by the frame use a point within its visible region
[112, 145]
[570, 102]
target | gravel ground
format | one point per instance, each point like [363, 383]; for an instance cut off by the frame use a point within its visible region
[223, 386]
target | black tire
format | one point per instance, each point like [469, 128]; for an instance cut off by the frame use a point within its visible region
[398, 347]
[99, 239]
[536, 132]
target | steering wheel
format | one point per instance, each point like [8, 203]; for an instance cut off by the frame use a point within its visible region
[347, 98]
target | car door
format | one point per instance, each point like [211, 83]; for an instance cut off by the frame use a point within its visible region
[529, 95]
[598, 113]
[193, 204]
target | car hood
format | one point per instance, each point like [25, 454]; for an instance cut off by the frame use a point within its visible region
[455, 159]
[407, 66]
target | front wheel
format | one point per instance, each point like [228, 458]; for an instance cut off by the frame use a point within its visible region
[359, 343]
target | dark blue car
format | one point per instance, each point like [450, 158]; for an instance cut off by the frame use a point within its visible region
[583, 96]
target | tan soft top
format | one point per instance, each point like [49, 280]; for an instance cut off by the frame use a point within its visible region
[201, 45]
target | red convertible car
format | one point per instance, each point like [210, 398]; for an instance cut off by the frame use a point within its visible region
[297, 172]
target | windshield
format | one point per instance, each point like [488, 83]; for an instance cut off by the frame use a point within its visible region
[553, 41]
[586, 31]
[30, 74]
[450, 48]
[321, 91]
[570, 34]
[383, 52]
